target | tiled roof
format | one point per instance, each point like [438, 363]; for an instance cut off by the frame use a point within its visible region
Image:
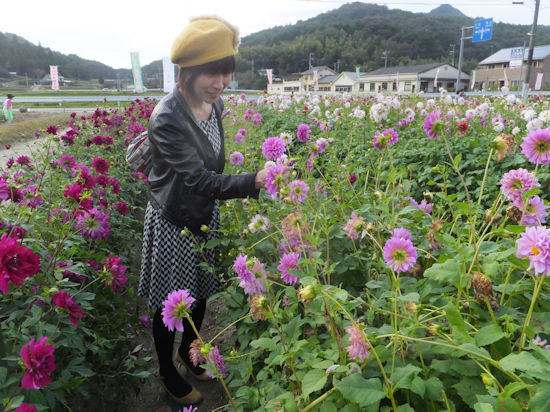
[418, 68]
[318, 68]
[503, 55]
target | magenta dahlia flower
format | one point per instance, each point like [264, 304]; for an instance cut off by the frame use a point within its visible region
[115, 276]
[273, 147]
[100, 165]
[176, 306]
[423, 205]
[25, 407]
[16, 262]
[241, 134]
[298, 191]
[517, 181]
[215, 359]
[63, 300]
[536, 146]
[303, 132]
[251, 273]
[236, 158]
[400, 232]
[534, 244]
[4, 190]
[400, 254]
[275, 179]
[289, 261]
[358, 348]
[433, 125]
[384, 139]
[94, 224]
[39, 363]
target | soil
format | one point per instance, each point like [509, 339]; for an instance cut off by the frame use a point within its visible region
[152, 397]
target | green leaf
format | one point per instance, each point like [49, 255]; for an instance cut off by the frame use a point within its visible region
[434, 388]
[404, 375]
[456, 161]
[512, 388]
[357, 389]
[489, 334]
[460, 330]
[483, 407]
[523, 361]
[410, 297]
[541, 401]
[448, 271]
[468, 388]
[470, 347]
[264, 343]
[313, 381]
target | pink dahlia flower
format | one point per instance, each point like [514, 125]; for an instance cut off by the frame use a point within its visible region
[273, 147]
[236, 158]
[385, 139]
[400, 254]
[535, 212]
[536, 146]
[176, 306]
[94, 224]
[215, 359]
[289, 261]
[303, 132]
[39, 363]
[515, 182]
[358, 348]
[275, 179]
[298, 191]
[354, 226]
[534, 244]
[433, 125]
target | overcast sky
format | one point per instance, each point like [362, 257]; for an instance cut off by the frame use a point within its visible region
[108, 30]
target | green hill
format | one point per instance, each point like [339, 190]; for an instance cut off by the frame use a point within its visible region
[355, 34]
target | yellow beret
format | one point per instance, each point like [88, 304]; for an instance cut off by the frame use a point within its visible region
[204, 40]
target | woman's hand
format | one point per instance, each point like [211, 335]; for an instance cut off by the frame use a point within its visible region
[260, 178]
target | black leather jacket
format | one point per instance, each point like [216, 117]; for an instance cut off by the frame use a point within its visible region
[186, 177]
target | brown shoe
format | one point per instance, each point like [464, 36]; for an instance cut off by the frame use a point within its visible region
[191, 398]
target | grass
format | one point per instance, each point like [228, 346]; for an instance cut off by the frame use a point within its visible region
[23, 127]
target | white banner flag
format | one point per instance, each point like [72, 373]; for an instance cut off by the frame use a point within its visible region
[54, 77]
[538, 83]
[473, 80]
[168, 75]
[315, 76]
[269, 73]
[435, 78]
[505, 78]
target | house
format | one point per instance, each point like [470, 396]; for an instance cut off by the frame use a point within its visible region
[347, 82]
[306, 81]
[310, 78]
[510, 66]
[412, 79]
[47, 80]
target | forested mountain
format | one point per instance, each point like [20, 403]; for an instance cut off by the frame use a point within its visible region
[21, 56]
[358, 34]
[355, 34]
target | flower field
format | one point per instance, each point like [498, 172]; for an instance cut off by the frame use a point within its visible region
[398, 258]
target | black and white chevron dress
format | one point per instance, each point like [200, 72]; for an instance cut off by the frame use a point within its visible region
[170, 260]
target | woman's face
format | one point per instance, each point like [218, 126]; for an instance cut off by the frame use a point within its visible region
[209, 87]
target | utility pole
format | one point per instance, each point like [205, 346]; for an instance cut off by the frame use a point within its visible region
[385, 57]
[252, 67]
[310, 65]
[460, 53]
[531, 49]
[452, 53]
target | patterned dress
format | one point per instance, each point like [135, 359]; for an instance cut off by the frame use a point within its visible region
[170, 260]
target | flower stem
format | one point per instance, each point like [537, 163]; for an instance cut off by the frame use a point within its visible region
[538, 285]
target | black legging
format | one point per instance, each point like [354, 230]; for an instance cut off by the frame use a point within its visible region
[164, 345]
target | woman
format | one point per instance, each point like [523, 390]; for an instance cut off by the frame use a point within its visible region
[186, 181]
[7, 110]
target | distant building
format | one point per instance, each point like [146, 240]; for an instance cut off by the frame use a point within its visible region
[510, 65]
[413, 79]
[47, 80]
[405, 79]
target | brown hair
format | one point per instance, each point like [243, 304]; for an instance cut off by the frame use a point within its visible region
[187, 75]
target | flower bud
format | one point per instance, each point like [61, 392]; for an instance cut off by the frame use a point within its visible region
[514, 214]
[185, 232]
[204, 228]
[258, 304]
[482, 283]
[411, 307]
[428, 197]
[307, 293]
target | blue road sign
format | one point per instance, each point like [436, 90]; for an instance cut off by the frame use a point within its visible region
[483, 30]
